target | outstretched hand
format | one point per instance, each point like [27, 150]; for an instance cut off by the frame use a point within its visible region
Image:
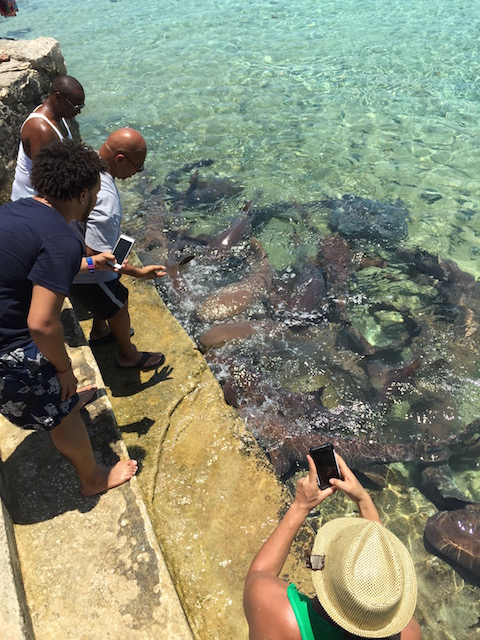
[153, 271]
[149, 272]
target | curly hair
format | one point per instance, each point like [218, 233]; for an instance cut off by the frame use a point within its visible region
[64, 169]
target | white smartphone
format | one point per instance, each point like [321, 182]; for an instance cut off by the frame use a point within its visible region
[121, 250]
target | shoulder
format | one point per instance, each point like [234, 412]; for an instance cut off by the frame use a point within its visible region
[63, 242]
[55, 233]
[108, 208]
[268, 610]
[412, 631]
[108, 199]
[107, 184]
[36, 133]
[38, 126]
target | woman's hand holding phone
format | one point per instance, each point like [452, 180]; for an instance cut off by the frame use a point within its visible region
[308, 494]
[325, 463]
[352, 487]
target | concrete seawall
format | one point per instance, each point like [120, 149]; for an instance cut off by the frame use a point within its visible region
[79, 567]
[164, 556]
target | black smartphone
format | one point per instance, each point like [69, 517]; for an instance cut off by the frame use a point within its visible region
[326, 464]
[121, 250]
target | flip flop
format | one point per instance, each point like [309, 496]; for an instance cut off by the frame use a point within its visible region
[94, 342]
[146, 355]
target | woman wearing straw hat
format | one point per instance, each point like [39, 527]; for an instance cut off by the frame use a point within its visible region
[363, 575]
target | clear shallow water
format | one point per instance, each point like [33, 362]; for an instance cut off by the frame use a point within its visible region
[298, 100]
[301, 101]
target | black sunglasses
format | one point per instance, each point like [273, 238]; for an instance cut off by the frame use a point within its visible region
[138, 167]
[75, 107]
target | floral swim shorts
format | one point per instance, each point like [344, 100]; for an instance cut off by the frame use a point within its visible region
[30, 391]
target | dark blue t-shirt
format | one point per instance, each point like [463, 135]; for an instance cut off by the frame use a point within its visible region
[37, 246]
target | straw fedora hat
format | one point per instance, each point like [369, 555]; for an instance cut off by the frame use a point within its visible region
[367, 584]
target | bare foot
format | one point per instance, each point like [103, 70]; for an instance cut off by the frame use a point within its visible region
[110, 477]
[86, 394]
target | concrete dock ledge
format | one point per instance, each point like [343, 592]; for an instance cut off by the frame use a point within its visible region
[15, 620]
[164, 556]
[87, 568]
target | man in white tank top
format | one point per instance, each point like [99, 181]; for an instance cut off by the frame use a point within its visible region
[46, 124]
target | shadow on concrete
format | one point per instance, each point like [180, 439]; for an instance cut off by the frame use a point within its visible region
[122, 382]
[139, 454]
[73, 333]
[142, 427]
[81, 313]
[43, 484]
[125, 382]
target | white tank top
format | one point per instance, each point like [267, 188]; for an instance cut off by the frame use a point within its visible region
[22, 186]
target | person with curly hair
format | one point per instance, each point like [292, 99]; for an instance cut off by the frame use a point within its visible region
[38, 388]
[47, 123]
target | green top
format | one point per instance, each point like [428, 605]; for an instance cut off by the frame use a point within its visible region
[311, 624]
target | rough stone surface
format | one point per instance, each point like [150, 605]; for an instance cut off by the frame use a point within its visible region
[24, 83]
[91, 567]
[211, 494]
[14, 617]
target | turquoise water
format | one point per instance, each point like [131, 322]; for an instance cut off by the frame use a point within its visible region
[298, 102]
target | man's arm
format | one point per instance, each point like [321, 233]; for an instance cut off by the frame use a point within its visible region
[45, 326]
[271, 557]
[100, 261]
[149, 272]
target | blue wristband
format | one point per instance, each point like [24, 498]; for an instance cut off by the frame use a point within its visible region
[90, 265]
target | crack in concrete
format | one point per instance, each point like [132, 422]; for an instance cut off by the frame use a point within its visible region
[191, 395]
